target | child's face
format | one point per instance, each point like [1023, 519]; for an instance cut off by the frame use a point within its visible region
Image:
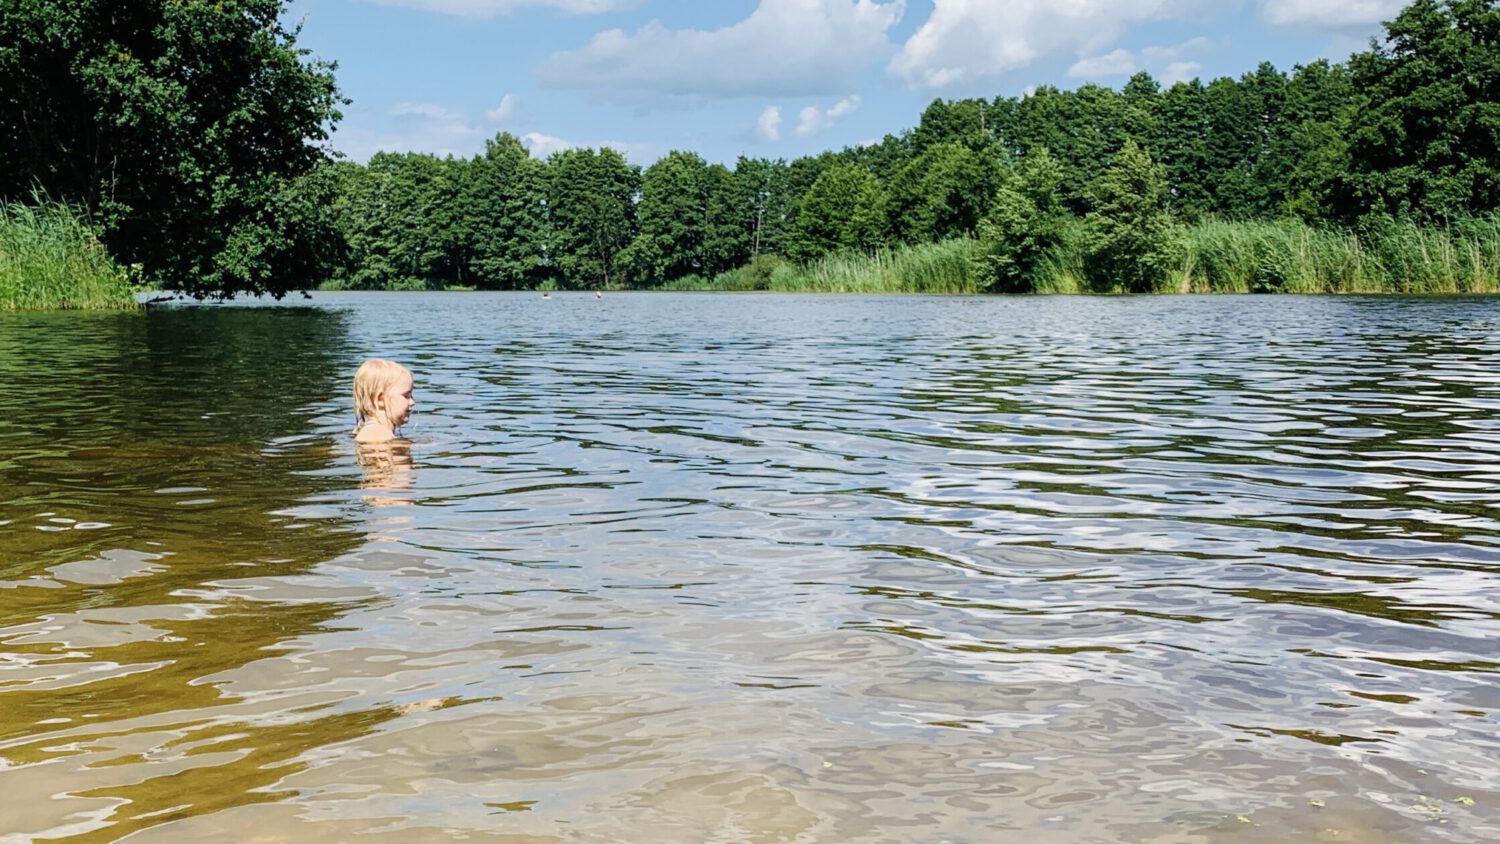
[398, 401]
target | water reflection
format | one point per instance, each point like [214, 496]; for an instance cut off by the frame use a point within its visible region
[148, 549]
[765, 569]
[386, 466]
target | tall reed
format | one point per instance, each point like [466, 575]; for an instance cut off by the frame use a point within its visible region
[923, 268]
[1218, 256]
[49, 259]
[1288, 256]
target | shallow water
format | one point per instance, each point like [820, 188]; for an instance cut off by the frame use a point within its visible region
[755, 568]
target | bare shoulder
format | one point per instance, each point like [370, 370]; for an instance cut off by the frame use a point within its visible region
[374, 433]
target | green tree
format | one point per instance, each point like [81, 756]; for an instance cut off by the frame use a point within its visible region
[503, 205]
[884, 158]
[191, 131]
[964, 122]
[591, 213]
[673, 218]
[1083, 129]
[761, 191]
[1184, 149]
[405, 223]
[1310, 152]
[942, 193]
[1243, 117]
[1132, 242]
[727, 227]
[1025, 222]
[1140, 111]
[843, 210]
[1426, 140]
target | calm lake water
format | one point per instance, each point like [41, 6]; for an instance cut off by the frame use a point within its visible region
[684, 568]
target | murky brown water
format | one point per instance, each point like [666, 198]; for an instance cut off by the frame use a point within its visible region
[755, 568]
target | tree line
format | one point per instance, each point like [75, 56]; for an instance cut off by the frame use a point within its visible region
[195, 136]
[1404, 130]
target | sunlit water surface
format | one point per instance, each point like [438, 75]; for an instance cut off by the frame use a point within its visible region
[681, 568]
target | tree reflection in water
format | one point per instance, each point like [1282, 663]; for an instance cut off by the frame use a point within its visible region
[166, 483]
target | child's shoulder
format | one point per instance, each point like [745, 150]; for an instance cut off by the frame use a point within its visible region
[371, 433]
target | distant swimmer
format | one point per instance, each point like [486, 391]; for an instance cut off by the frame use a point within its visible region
[546, 295]
[598, 295]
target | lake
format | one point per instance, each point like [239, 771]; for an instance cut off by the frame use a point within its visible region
[755, 568]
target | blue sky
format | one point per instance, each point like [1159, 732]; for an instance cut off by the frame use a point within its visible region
[766, 78]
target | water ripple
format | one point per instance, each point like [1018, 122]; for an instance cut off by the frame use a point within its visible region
[758, 568]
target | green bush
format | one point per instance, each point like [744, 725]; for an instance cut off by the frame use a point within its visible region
[755, 275]
[1133, 244]
[1025, 221]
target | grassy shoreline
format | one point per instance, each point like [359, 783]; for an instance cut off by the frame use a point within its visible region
[1281, 256]
[51, 260]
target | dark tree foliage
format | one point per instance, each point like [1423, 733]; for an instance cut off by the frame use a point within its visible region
[1182, 145]
[1425, 142]
[591, 214]
[1082, 128]
[1025, 221]
[503, 221]
[190, 130]
[1130, 234]
[1309, 155]
[762, 203]
[845, 209]
[942, 193]
[678, 196]
[963, 122]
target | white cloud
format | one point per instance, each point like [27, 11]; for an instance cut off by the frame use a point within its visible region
[967, 42]
[425, 111]
[1168, 63]
[421, 127]
[1179, 72]
[1119, 63]
[428, 127]
[493, 8]
[409, 126]
[812, 119]
[768, 126]
[784, 48]
[510, 106]
[441, 130]
[1330, 14]
[1158, 55]
[542, 145]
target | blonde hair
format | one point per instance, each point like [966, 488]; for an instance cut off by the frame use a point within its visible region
[371, 381]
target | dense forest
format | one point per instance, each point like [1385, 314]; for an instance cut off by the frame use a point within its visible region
[1405, 131]
[195, 149]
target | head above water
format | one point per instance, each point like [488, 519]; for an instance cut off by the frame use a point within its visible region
[382, 396]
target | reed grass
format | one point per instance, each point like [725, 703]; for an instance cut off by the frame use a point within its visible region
[1062, 267]
[1218, 256]
[51, 260]
[924, 268]
[1287, 256]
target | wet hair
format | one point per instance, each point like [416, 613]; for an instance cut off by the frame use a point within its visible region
[372, 380]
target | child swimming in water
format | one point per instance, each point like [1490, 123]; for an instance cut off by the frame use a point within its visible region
[382, 400]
